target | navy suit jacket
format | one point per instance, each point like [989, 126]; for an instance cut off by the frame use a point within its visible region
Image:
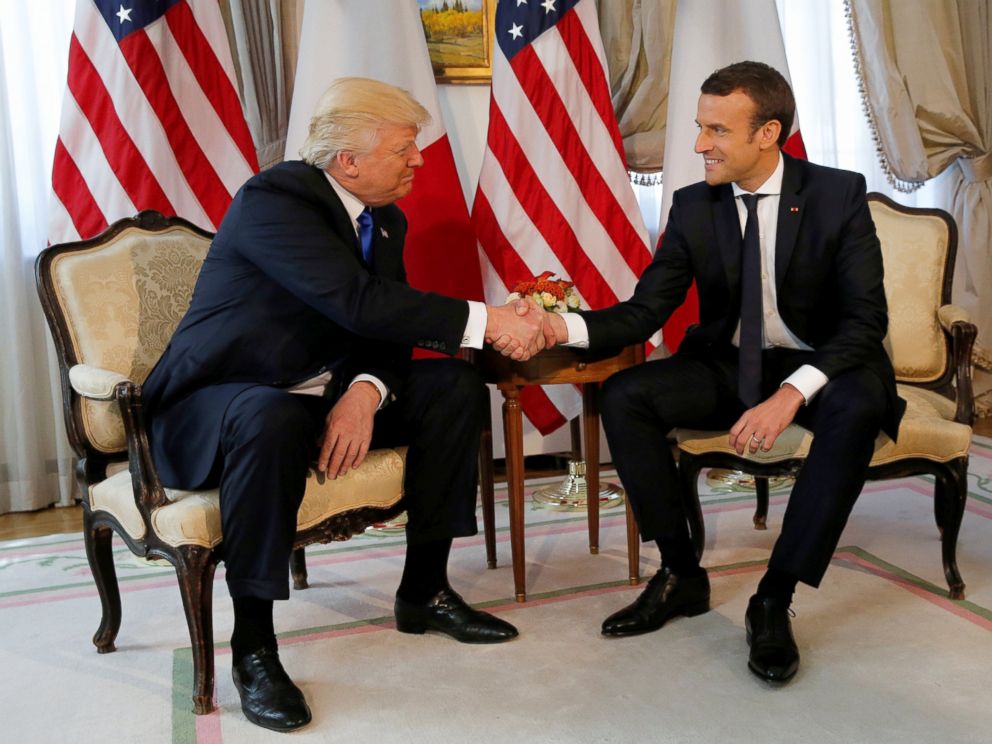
[828, 274]
[282, 296]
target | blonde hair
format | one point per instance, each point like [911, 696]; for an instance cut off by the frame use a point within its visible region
[350, 113]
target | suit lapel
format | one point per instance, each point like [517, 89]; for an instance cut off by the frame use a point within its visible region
[386, 248]
[727, 223]
[343, 225]
[790, 214]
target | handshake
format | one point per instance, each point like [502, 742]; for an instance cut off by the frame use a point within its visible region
[520, 329]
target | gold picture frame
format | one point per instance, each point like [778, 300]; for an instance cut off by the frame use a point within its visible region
[460, 39]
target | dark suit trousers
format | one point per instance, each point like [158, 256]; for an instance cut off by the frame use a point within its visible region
[269, 439]
[642, 404]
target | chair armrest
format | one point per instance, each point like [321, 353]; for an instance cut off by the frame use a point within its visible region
[955, 322]
[94, 382]
[148, 491]
[948, 315]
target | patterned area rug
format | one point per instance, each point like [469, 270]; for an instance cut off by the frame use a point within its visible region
[886, 657]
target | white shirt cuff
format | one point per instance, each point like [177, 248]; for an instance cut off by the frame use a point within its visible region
[475, 329]
[380, 386]
[578, 332]
[807, 380]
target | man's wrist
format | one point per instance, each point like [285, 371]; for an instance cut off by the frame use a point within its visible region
[369, 389]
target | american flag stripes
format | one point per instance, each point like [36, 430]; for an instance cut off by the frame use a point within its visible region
[151, 117]
[554, 192]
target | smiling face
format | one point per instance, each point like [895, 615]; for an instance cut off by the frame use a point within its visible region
[733, 151]
[384, 173]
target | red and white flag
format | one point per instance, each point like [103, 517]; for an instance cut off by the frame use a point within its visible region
[554, 194]
[151, 118]
[710, 34]
[384, 40]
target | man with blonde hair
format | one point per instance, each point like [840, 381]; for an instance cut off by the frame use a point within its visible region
[297, 347]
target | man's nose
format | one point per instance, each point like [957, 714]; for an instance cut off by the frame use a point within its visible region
[702, 143]
[417, 159]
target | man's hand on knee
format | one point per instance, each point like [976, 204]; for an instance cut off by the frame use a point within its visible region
[760, 426]
[348, 431]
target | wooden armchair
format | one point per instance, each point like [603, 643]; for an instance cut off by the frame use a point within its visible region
[112, 304]
[930, 343]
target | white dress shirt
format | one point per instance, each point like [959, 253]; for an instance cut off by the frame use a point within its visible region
[473, 336]
[808, 380]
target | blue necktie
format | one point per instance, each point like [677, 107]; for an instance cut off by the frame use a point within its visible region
[749, 352]
[365, 234]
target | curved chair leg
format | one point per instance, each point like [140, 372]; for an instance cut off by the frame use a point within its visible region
[195, 570]
[298, 567]
[760, 518]
[939, 507]
[101, 559]
[951, 491]
[689, 477]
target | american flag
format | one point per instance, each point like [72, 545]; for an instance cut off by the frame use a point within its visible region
[151, 117]
[554, 193]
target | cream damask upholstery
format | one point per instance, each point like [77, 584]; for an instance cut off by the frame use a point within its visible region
[929, 342]
[113, 303]
[122, 300]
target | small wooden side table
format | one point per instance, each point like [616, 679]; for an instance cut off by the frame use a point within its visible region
[557, 366]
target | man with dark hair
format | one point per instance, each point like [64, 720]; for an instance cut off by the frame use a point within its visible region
[792, 316]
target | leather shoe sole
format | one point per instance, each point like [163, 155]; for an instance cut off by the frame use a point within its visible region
[446, 612]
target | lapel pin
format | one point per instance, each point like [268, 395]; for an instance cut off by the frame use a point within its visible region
[383, 231]
[793, 209]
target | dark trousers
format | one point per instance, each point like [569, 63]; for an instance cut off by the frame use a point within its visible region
[269, 439]
[642, 404]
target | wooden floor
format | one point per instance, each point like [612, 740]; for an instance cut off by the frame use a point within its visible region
[70, 519]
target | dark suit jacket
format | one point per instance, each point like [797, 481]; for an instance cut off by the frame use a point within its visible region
[284, 295]
[828, 274]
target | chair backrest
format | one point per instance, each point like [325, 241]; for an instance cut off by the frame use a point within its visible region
[918, 251]
[113, 302]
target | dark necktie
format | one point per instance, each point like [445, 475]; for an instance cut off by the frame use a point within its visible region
[365, 234]
[749, 353]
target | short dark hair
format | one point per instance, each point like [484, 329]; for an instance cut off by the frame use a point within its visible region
[761, 83]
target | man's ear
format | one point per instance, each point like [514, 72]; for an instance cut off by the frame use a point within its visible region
[345, 162]
[768, 133]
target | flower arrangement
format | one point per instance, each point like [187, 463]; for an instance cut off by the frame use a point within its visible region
[549, 292]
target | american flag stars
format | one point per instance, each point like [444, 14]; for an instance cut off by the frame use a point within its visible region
[124, 14]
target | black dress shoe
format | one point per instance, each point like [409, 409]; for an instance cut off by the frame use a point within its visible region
[448, 613]
[268, 696]
[774, 654]
[667, 595]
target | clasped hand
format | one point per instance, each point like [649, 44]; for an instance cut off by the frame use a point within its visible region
[519, 329]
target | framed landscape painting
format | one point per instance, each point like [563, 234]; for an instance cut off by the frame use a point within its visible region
[459, 38]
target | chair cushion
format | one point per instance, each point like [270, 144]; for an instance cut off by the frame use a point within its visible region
[927, 431]
[193, 517]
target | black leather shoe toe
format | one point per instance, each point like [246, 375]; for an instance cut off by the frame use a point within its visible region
[667, 595]
[448, 613]
[774, 655]
[268, 696]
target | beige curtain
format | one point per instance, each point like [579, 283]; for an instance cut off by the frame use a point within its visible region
[637, 37]
[925, 67]
[264, 36]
